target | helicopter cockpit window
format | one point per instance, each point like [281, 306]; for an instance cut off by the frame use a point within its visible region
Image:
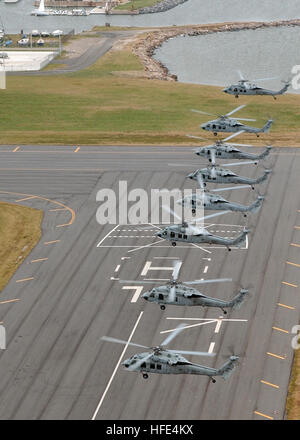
[152, 366]
[172, 234]
[158, 366]
[165, 233]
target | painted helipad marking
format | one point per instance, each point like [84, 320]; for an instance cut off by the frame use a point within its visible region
[211, 347]
[189, 326]
[57, 209]
[116, 367]
[101, 241]
[16, 149]
[9, 301]
[205, 269]
[292, 264]
[117, 268]
[289, 284]
[263, 415]
[77, 149]
[280, 329]
[295, 244]
[38, 260]
[285, 306]
[270, 384]
[25, 198]
[276, 355]
[138, 291]
[51, 242]
[24, 279]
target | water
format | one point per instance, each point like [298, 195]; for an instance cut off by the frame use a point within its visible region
[17, 16]
[214, 59]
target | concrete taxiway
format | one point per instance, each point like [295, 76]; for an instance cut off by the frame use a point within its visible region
[55, 365]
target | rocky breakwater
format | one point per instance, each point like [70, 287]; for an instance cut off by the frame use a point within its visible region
[162, 6]
[146, 44]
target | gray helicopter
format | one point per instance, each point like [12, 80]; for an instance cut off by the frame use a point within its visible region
[225, 124]
[215, 202]
[248, 87]
[180, 294]
[161, 360]
[225, 150]
[187, 233]
[217, 174]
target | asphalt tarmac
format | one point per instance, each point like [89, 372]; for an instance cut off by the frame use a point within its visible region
[68, 295]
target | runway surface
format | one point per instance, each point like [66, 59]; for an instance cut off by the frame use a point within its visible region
[56, 366]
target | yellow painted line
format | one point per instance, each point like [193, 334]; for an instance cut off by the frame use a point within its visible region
[280, 329]
[60, 226]
[77, 149]
[292, 264]
[289, 284]
[295, 244]
[57, 209]
[73, 215]
[39, 259]
[285, 306]
[16, 149]
[297, 227]
[263, 415]
[270, 384]
[275, 355]
[26, 198]
[9, 301]
[51, 242]
[25, 279]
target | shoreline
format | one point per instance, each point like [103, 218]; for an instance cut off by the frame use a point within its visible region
[147, 44]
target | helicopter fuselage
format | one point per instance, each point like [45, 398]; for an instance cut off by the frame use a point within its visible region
[228, 152]
[222, 175]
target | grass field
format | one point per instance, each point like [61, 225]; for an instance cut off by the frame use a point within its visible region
[137, 4]
[293, 400]
[20, 230]
[112, 102]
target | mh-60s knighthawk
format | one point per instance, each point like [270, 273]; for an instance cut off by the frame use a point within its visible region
[225, 124]
[161, 360]
[181, 294]
[215, 202]
[247, 87]
[217, 174]
[187, 233]
[227, 150]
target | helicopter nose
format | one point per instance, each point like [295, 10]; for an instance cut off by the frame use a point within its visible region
[225, 90]
[203, 126]
[158, 234]
[190, 176]
[145, 296]
[126, 363]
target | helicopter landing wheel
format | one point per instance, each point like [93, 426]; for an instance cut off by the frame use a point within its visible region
[257, 135]
[163, 307]
[229, 250]
[145, 376]
[245, 215]
[252, 187]
[215, 134]
[193, 211]
[213, 380]
[224, 311]
[236, 96]
[173, 243]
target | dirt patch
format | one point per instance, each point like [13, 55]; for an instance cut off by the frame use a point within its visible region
[75, 48]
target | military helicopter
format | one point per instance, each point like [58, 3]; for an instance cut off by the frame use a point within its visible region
[226, 124]
[161, 360]
[217, 174]
[215, 202]
[225, 150]
[180, 294]
[185, 232]
[247, 87]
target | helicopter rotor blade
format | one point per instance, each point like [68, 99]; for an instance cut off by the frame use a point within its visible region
[240, 145]
[200, 181]
[137, 365]
[241, 75]
[233, 135]
[173, 335]
[172, 294]
[210, 216]
[138, 282]
[230, 188]
[201, 112]
[120, 341]
[177, 266]
[265, 79]
[235, 110]
[195, 137]
[170, 211]
[246, 119]
[216, 280]
[193, 353]
[213, 156]
[248, 162]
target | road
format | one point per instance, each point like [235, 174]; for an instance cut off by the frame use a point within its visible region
[55, 365]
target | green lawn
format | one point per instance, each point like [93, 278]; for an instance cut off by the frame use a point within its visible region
[137, 4]
[113, 103]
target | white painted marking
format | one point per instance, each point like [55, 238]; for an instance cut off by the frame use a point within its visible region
[101, 241]
[191, 326]
[125, 258]
[117, 268]
[116, 367]
[148, 266]
[138, 291]
[114, 279]
[219, 323]
[205, 269]
[211, 347]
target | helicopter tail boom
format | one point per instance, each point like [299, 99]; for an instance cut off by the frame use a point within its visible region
[267, 126]
[226, 370]
[237, 301]
[265, 153]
